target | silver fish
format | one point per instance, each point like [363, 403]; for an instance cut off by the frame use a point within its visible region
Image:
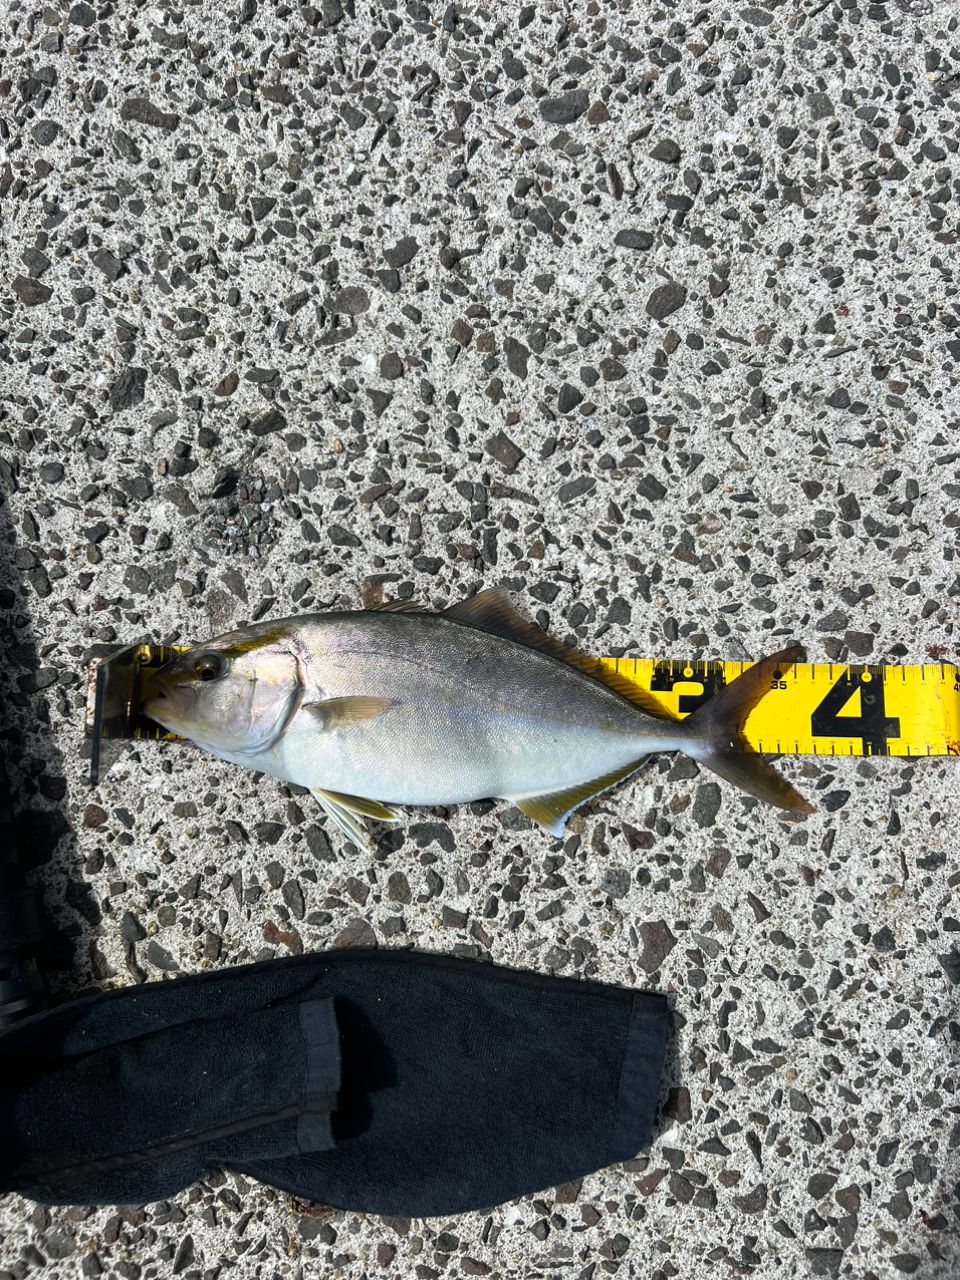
[400, 706]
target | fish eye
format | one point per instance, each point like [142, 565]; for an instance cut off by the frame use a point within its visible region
[209, 666]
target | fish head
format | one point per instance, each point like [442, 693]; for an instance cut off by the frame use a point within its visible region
[236, 693]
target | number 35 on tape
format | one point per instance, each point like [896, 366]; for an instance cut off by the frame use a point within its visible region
[822, 709]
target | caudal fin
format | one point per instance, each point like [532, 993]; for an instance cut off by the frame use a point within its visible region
[716, 730]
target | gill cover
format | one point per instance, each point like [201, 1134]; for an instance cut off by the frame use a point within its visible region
[233, 694]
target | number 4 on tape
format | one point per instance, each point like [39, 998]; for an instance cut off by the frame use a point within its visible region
[837, 717]
[824, 709]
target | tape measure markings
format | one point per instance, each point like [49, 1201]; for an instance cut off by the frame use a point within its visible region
[833, 709]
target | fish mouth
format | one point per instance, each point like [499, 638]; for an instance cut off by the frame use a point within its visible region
[163, 702]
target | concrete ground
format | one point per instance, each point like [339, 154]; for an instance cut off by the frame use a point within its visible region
[647, 312]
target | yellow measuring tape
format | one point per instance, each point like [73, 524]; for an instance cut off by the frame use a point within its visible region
[812, 709]
[824, 709]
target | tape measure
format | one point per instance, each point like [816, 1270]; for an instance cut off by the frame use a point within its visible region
[812, 709]
[112, 714]
[823, 709]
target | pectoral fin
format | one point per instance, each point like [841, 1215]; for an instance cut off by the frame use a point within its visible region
[342, 713]
[552, 811]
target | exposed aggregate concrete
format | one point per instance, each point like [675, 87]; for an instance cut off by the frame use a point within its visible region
[648, 312]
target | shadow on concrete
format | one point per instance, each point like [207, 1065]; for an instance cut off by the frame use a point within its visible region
[34, 829]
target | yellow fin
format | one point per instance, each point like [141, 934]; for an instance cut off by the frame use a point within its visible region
[552, 811]
[341, 713]
[492, 611]
[360, 805]
[349, 823]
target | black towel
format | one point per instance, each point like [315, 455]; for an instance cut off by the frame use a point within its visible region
[388, 1082]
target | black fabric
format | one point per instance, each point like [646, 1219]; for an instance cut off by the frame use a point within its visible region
[121, 1107]
[385, 1082]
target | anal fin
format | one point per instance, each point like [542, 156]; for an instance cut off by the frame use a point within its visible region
[552, 810]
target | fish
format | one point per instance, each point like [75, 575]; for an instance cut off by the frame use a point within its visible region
[402, 706]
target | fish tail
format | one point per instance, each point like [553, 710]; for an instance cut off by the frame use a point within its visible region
[714, 734]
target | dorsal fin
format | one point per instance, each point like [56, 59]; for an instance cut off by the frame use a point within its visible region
[492, 611]
[401, 606]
